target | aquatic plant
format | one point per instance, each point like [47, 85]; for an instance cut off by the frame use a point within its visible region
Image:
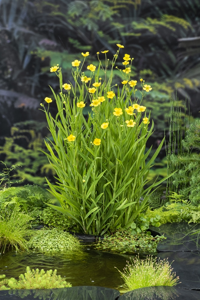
[36, 279]
[149, 272]
[54, 241]
[100, 163]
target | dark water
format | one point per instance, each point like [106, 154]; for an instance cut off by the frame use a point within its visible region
[93, 268]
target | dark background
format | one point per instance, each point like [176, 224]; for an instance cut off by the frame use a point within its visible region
[38, 34]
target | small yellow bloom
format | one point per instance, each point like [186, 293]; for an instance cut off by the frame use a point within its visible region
[141, 109]
[101, 99]
[135, 106]
[127, 70]
[91, 67]
[132, 83]
[48, 100]
[85, 79]
[145, 120]
[81, 104]
[97, 84]
[126, 57]
[115, 55]
[95, 103]
[130, 110]
[124, 82]
[130, 123]
[97, 52]
[71, 138]
[54, 69]
[125, 63]
[141, 79]
[83, 180]
[85, 54]
[110, 94]
[92, 90]
[66, 86]
[147, 88]
[118, 112]
[97, 142]
[76, 63]
[104, 125]
[120, 46]
[105, 51]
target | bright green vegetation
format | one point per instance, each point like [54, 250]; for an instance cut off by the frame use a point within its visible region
[148, 272]
[14, 230]
[54, 241]
[34, 279]
[125, 242]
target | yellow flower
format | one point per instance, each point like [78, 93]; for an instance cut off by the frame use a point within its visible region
[141, 79]
[127, 70]
[130, 123]
[147, 88]
[124, 82]
[125, 63]
[101, 99]
[110, 94]
[66, 86]
[85, 79]
[81, 104]
[48, 100]
[92, 90]
[120, 46]
[135, 106]
[91, 67]
[115, 55]
[118, 112]
[105, 51]
[83, 180]
[97, 84]
[76, 63]
[97, 142]
[130, 110]
[132, 83]
[145, 120]
[54, 69]
[141, 109]
[71, 138]
[97, 52]
[126, 57]
[104, 125]
[85, 54]
[95, 103]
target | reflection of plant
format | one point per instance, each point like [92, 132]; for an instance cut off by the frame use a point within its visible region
[37, 279]
[126, 242]
[148, 272]
[54, 241]
[14, 231]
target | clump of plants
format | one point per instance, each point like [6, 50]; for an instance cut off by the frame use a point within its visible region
[123, 241]
[101, 164]
[140, 273]
[35, 279]
[14, 230]
[54, 241]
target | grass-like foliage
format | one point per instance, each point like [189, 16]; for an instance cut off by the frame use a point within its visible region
[14, 230]
[125, 242]
[101, 164]
[54, 241]
[149, 272]
[35, 279]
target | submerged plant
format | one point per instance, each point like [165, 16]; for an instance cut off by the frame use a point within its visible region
[101, 164]
[36, 279]
[148, 272]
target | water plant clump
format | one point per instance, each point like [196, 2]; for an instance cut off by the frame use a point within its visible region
[35, 279]
[149, 272]
[123, 241]
[54, 241]
[100, 163]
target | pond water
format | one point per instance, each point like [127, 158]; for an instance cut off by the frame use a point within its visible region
[90, 268]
